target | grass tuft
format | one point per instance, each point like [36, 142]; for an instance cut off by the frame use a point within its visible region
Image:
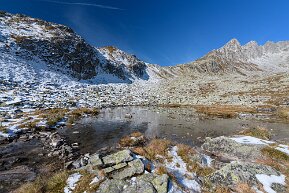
[258, 132]
[224, 111]
[54, 184]
[275, 154]
[157, 147]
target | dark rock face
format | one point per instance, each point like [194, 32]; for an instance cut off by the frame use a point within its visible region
[62, 50]
[54, 44]
[123, 64]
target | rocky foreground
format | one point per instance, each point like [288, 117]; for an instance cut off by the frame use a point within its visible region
[222, 164]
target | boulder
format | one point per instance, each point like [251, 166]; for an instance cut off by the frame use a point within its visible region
[116, 158]
[240, 172]
[228, 149]
[134, 167]
[160, 182]
[142, 187]
[112, 186]
[95, 160]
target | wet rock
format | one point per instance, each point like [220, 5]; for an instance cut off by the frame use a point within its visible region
[228, 150]
[241, 172]
[134, 167]
[121, 156]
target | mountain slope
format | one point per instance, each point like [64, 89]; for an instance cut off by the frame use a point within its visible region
[120, 61]
[233, 57]
[33, 49]
[59, 50]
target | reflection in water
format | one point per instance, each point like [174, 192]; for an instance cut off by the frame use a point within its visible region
[178, 124]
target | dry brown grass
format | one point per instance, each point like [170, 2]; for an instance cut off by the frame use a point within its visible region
[140, 151]
[30, 124]
[157, 147]
[275, 154]
[52, 115]
[134, 139]
[276, 159]
[244, 188]
[2, 128]
[283, 113]
[224, 111]
[84, 183]
[161, 170]
[222, 189]
[84, 111]
[126, 141]
[54, 184]
[171, 105]
[136, 134]
[258, 132]
[186, 152]
[57, 114]
[76, 114]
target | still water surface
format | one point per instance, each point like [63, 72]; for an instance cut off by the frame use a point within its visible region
[178, 124]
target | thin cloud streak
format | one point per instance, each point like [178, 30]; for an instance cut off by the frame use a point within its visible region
[84, 4]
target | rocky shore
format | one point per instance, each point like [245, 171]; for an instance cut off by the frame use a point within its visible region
[223, 164]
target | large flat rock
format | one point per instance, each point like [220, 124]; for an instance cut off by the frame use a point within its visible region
[119, 157]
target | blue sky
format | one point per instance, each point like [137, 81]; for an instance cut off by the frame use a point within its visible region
[165, 32]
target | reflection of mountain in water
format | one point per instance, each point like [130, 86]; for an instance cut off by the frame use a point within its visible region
[178, 124]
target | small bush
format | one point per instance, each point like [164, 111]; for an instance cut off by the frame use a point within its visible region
[283, 113]
[157, 147]
[126, 141]
[140, 151]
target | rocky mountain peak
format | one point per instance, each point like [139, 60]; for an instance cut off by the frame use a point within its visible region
[121, 59]
[233, 45]
[251, 44]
